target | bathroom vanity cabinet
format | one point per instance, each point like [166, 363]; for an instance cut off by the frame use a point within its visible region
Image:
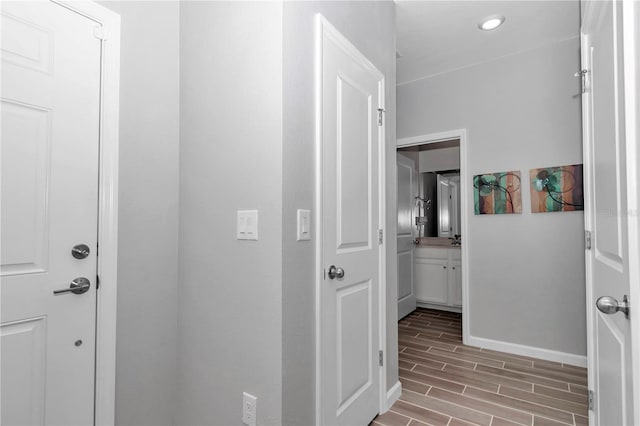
[438, 277]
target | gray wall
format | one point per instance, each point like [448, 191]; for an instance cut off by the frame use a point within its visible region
[218, 113]
[230, 301]
[371, 28]
[148, 216]
[526, 271]
[435, 160]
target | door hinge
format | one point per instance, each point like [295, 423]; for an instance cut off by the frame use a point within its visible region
[324, 274]
[591, 398]
[100, 33]
[380, 112]
[380, 236]
[587, 239]
[582, 74]
[97, 282]
[381, 358]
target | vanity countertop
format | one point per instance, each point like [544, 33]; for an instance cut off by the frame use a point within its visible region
[438, 242]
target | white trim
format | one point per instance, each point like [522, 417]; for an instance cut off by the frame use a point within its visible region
[108, 208]
[324, 28]
[631, 44]
[587, 160]
[317, 206]
[436, 306]
[530, 351]
[382, 248]
[392, 396]
[460, 134]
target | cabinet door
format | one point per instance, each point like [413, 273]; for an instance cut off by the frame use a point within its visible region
[431, 281]
[455, 283]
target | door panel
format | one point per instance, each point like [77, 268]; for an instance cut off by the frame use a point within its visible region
[354, 143]
[611, 368]
[609, 337]
[50, 115]
[25, 179]
[407, 191]
[26, 44]
[351, 143]
[455, 284]
[405, 276]
[23, 361]
[355, 333]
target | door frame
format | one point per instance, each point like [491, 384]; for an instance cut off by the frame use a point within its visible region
[631, 55]
[107, 262]
[323, 26]
[460, 134]
[631, 81]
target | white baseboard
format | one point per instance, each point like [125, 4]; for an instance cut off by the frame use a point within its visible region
[517, 349]
[437, 307]
[393, 394]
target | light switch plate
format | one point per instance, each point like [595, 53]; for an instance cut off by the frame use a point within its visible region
[304, 225]
[248, 225]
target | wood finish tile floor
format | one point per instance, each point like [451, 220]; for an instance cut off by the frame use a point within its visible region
[447, 383]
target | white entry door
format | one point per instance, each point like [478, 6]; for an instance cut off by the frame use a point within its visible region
[610, 180]
[50, 124]
[407, 191]
[351, 140]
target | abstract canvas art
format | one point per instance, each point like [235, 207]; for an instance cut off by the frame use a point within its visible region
[556, 189]
[497, 193]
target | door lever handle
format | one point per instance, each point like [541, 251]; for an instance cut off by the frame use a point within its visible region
[77, 286]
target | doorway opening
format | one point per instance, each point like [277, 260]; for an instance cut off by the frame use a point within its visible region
[432, 200]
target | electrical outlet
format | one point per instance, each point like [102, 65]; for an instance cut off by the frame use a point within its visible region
[249, 406]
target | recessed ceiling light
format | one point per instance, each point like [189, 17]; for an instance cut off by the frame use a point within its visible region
[491, 22]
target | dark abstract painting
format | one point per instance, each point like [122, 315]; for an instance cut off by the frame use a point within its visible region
[497, 193]
[556, 189]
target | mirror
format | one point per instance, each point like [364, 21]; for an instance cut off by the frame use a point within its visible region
[439, 204]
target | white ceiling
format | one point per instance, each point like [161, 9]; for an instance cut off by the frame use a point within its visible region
[440, 36]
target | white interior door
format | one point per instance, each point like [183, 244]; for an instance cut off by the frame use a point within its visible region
[351, 139]
[608, 179]
[50, 123]
[407, 191]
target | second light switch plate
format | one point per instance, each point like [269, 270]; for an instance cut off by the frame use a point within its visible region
[304, 225]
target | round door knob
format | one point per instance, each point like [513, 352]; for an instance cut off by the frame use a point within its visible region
[609, 305]
[335, 272]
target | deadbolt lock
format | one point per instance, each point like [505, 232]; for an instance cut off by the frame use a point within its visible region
[80, 251]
